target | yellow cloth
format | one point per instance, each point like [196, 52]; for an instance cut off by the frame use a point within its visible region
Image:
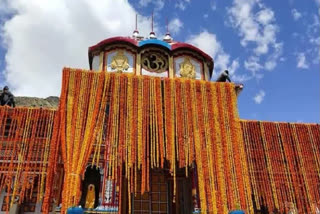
[90, 198]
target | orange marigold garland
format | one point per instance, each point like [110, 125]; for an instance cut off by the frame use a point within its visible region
[25, 133]
[150, 120]
[293, 166]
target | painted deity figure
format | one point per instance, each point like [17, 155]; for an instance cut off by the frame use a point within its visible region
[291, 208]
[187, 69]
[315, 208]
[90, 198]
[119, 62]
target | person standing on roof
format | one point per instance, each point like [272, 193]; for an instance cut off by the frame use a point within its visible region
[224, 76]
[7, 98]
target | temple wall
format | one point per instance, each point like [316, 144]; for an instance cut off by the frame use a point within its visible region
[283, 158]
[284, 165]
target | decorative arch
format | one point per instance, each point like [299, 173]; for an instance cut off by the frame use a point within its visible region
[155, 62]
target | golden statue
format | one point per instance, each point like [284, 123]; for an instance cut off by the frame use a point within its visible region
[119, 62]
[291, 208]
[315, 209]
[90, 198]
[187, 69]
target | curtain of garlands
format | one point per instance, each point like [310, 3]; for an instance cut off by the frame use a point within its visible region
[284, 165]
[147, 121]
[25, 135]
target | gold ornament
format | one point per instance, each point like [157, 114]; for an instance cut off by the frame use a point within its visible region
[90, 198]
[119, 62]
[154, 62]
[187, 69]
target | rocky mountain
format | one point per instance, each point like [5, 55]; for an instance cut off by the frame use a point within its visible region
[49, 102]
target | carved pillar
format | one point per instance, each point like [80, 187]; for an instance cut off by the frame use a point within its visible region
[171, 69]
[101, 61]
[138, 64]
[206, 72]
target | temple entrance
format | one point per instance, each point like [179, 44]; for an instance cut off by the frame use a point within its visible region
[160, 198]
[155, 201]
[90, 188]
[183, 201]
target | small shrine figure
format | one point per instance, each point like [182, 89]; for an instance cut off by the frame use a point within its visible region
[119, 62]
[90, 198]
[291, 208]
[7, 98]
[224, 76]
[90, 188]
[187, 69]
[315, 208]
[237, 211]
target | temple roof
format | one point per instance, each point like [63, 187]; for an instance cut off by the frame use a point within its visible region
[172, 47]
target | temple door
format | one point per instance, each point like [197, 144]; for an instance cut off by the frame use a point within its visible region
[183, 198]
[155, 201]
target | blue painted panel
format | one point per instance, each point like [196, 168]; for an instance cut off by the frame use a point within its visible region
[75, 210]
[236, 212]
[154, 42]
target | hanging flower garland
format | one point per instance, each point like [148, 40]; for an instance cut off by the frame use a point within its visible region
[25, 145]
[151, 121]
[290, 174]
[145, 126]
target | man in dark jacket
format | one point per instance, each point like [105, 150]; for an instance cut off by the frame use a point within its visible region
[224, 76]
[7, 98]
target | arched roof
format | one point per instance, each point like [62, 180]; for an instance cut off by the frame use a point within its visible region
[175, 46]
[118, 39]
[155, 42]
[182, 45]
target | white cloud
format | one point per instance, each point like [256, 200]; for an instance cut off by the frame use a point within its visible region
[205, 16]
[233, 67]
[296, 14]
[259, 97]
[318, 4]
[265, 16]
[175, 25]
[253, 64]
[182, 4]
[313, 31]
[255, 24]
[209, 43]
[44, 36]
[158, 4]
[270, 65]
[301, 61]
[272, 59]
[4, 9]
[213, 5]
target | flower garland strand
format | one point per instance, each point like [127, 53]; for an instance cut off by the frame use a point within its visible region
[25, 133]
[289, 176]
[149, 123]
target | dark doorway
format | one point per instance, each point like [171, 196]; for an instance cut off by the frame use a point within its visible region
[91, 183]
[160, 198]
[183, 198]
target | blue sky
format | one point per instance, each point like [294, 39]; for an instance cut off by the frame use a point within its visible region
[272, 47]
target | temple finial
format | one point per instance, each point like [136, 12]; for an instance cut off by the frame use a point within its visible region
[167, 37]
[136, 32]
[152, 22]
[167, 25]
[152, 34]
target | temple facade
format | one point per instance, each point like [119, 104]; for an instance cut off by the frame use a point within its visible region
[146, 131]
